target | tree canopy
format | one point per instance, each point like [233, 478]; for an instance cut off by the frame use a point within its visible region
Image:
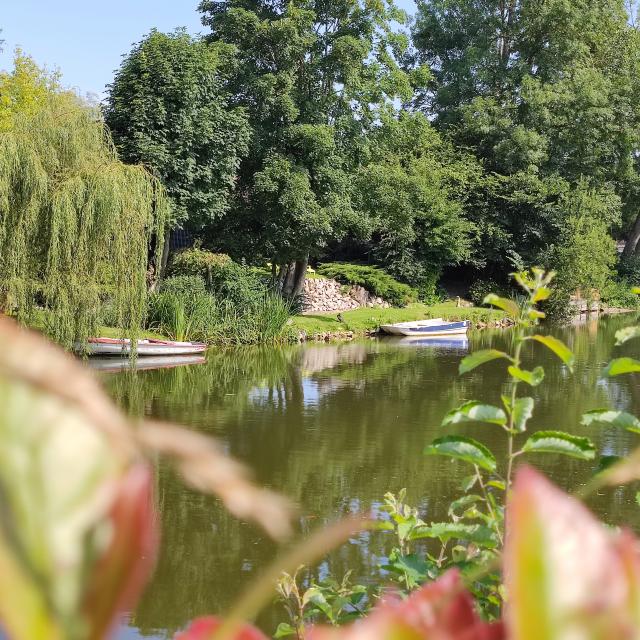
[168, 109]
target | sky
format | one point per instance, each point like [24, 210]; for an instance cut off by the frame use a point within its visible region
[85, 39]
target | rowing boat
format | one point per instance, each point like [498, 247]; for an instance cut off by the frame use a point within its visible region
[423, 328]
[149, 347]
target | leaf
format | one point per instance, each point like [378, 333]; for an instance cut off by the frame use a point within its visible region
[503, 303]
[283, 630]
[567, 576]
[474, 360]
[628, 333]
[468, 482]
[206, 628]
[635, 290]
[475, 412]
[522, 412]
[558, 347]
[497, 484]
[462, 448]
[541, 294]
[560, 442]
[533, 378]
[620, 419]
[445, 531]
[462, 503]
[619, 366]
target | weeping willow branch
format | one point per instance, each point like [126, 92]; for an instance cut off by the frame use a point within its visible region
[76, 224]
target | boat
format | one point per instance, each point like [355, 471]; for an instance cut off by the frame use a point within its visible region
[148, 347]
[110, 364]
[427, 328]
[397, 328]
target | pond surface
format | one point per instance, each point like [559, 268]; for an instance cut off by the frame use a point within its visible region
[335, 427]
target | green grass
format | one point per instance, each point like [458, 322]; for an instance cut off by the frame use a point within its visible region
[368, 319]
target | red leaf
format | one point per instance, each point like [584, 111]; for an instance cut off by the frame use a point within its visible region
[566, 574]
[205, 628]
[121, 574]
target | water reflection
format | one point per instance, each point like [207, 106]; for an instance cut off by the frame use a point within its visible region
[335, 427]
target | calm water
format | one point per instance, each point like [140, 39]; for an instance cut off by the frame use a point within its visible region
[335, 427]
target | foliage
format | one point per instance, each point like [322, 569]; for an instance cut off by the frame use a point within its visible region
[68, 207]
[480, 289]
[314, 78]
[183, 310]
[414, 192]
[197, 262]
[327, 600]
[373, 279]
[168, 109]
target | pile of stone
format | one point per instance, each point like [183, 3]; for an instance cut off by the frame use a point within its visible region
[325, 294]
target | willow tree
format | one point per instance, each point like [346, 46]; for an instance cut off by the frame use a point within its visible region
[76, 224]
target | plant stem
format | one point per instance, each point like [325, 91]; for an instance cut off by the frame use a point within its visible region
[496, 526]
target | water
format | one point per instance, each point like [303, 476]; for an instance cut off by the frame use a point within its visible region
[335, 427]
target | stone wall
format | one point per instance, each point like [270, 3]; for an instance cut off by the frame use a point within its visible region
[329, 295]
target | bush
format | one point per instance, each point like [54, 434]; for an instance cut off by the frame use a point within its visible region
[373, 279]
[225, 279]
[617, 293]
[480, 289]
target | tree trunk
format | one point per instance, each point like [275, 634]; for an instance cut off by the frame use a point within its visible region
[300, 276]
[157, 271]
[631, 246]
[289, 281]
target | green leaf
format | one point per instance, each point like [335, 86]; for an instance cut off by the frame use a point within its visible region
[445, 531]
[635, 290]
[522, 412]
[468, 482]
[628, 333]
[541, 294]
[622, 365]
[284, 630]
[533, 378]
[474, 360]
[558, 347]
[620, 419]
[465, 449]
[475, 412]
[560, 442]
[497, 484]
[463, 503]
[606, 461]
[503, 303]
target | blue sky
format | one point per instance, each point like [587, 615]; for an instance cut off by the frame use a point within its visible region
[86, 39]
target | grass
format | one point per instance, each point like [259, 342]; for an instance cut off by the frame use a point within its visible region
[368, 319]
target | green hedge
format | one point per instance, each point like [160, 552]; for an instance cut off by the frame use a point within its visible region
[373, 279]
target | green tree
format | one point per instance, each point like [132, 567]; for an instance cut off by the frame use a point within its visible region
[75, 222]
[168, 109]
[315, 77]
[544, 93]
[414, 191]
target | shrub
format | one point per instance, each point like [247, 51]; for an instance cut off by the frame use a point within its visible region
[374, 279]
[480, 289]
[224, 278]
[197, 262]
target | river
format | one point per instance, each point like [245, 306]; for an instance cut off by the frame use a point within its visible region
[335, 426]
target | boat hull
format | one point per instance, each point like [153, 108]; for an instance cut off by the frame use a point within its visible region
[116, 347]
[396, 328]
[441, 329]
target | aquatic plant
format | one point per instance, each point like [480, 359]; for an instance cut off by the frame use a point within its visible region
[71, 212]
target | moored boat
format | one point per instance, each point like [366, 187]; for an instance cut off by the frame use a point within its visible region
[427, 328]
[149, 347]
[397, 328]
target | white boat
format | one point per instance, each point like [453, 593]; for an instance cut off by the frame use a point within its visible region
[397, 328]
[150, 347]
[422, 329]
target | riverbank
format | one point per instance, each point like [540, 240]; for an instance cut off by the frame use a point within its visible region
[366, 321]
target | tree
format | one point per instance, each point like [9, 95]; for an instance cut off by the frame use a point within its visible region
[314, 77]
[168, 109]
[414, 192]
[544, 93]
[75, 222]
